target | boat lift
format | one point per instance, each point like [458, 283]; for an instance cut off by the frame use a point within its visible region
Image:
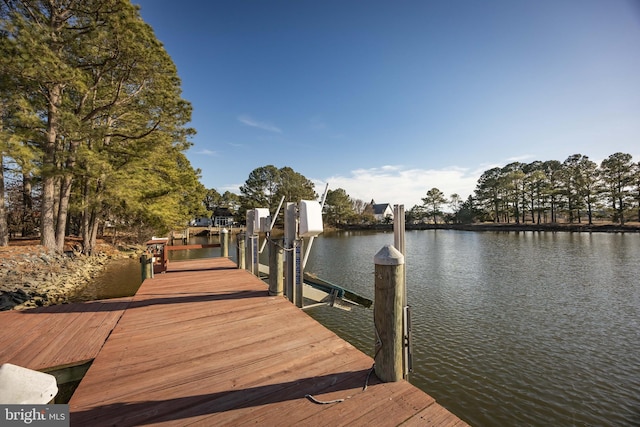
[302, 221]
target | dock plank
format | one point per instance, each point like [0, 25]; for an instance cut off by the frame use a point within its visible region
[58, 336]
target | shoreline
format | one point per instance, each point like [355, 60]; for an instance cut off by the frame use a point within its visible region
[32, 276]
[634, 227]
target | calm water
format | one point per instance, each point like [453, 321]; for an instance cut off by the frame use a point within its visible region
[509, 328]
[123, 277]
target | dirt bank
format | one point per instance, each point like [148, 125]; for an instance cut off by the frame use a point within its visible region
[32, 276]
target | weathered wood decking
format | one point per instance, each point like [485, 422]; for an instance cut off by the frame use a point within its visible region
[206, 345]
[58, 336]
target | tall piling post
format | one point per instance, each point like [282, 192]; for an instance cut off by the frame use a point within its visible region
[240, 250]
[224, 243]
[276, 267]
[388, 314]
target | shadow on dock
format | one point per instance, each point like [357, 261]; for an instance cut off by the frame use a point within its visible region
[324, 387]
[106, 305]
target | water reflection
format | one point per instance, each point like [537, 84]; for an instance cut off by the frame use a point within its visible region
[205, 252]
[120, 278]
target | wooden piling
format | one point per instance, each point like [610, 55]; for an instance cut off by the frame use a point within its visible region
[224, 243]
[276, 267]
[240, 253]
[146, 266]
[388, 314]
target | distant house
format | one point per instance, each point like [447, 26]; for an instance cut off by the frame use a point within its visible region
[222, 217]
[382, 211]
[201, 221]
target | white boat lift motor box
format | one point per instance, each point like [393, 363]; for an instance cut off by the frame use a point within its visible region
[20, 385]
[261, 220]
[310, 218]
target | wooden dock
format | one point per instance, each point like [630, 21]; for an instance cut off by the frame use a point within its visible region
[59, 336]
[204, 344]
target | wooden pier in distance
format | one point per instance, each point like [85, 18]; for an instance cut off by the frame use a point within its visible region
[204, 344]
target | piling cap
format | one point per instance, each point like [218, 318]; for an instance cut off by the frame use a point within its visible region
[388, 255]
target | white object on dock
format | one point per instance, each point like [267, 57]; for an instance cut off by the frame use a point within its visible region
[20, 385]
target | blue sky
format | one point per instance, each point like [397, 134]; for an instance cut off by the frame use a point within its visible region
[389, 99]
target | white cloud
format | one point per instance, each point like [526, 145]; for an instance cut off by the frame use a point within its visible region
[249, 121]
[207, 152]
[398, 184]
[233, 188]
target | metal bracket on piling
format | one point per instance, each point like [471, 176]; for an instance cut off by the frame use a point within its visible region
[399, 243]
[408, 342]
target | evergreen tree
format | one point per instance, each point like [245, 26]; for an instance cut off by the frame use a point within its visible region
[553, 171]
[534, 186]
[636, 186]
[468, 213]
[571, 181]
[338, 206]
[617, 175]
[99, 94]
[266, 186]
[260, 189]
[587, 178]
[212, 199]
[432, 203]
[455, 203]
[295, 186]
[489, 192]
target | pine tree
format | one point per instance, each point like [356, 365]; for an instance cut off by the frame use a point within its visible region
[103, 95]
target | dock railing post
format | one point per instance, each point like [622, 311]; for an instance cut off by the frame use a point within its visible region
[276, 267]
[224, 243]
[388, 314]
[240, 251]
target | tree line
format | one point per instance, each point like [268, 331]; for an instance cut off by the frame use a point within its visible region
[267, 185]
[541, 192]
[93, 127]
[578, 190]
[264, 188]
